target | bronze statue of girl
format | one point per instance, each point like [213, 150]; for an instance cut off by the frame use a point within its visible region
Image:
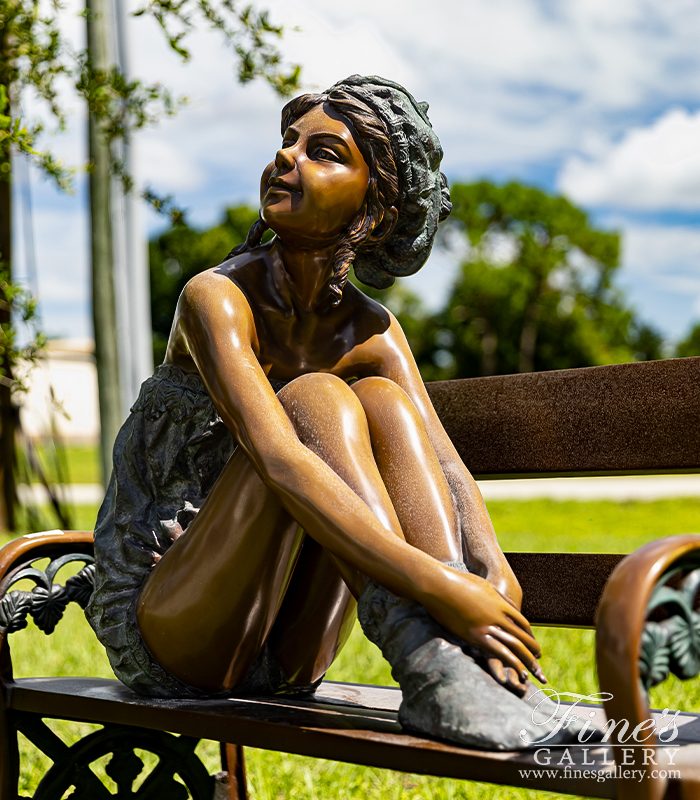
[285, 460]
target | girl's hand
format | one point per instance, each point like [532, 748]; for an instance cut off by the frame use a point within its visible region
[506, 676]
[470, 608]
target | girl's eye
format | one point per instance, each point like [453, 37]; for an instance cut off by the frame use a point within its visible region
[326, 154]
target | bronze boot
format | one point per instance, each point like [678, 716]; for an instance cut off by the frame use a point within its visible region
[446, 694]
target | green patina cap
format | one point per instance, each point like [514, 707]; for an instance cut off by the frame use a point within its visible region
[424, 197]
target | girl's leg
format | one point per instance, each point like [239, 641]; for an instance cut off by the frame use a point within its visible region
[210, 602]
[318, 607]
[446, 693]
[316, 618]
[410, 469]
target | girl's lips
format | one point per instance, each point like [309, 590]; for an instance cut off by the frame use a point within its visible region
[279, 184]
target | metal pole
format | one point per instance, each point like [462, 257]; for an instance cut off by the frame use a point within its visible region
[8, 413]
[103, 304]
[133, 292]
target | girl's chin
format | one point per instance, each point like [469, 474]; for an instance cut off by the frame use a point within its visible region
[300, 237]
[282, 214]
[279, 207]
[291, 227]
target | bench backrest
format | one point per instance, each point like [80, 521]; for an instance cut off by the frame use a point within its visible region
[623, 419]
[638, 418]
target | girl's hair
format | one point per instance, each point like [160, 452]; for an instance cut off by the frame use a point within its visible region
[408, 179]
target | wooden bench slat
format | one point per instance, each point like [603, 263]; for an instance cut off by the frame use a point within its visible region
[336, 732]
[343, 722]
[632, 418]
[562, 589]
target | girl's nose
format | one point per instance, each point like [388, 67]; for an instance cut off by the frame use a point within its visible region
[284, 158]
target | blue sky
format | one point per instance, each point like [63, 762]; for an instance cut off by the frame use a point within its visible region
[597, 100]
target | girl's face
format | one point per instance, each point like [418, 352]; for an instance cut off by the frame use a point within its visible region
[317, 184]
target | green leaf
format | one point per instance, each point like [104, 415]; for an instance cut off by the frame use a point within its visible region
[684, 645]
[654, 656]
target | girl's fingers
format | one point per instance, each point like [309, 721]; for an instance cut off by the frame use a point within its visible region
[496, 648]
[512, 678]
[506, 676]
[497, 670]
[514, 682]
[518, 619]
[519, 649]
[526, 638]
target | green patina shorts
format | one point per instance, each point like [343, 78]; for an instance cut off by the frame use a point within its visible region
[167, 456]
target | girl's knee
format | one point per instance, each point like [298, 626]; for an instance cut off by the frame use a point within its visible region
[382, 396]
[319, 397]
[315, 386]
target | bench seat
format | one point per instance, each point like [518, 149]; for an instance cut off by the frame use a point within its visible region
[344, 722]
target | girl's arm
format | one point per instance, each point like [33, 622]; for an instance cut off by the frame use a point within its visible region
[393, 359]
[218, 330]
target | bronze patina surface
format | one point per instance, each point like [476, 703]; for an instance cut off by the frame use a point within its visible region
[239, 575]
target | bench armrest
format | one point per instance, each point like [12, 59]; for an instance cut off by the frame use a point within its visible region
[33, 546]
[633, 652]
[46, 602]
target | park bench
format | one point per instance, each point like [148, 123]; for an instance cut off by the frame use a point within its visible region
[639, 418]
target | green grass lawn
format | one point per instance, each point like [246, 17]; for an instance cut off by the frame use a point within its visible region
[79, 463]
[568, 658]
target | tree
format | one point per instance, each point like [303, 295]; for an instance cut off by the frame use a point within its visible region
[178, 255]
[34, 55]
[690, 346]
[535, 291]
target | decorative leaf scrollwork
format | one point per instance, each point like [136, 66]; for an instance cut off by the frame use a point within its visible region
[684, 644]
[79, 587]
[14, 608]
[654, 656]
[673, 644]
[48, 606]
[48, 600]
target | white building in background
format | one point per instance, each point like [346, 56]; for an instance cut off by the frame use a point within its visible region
[68, 369]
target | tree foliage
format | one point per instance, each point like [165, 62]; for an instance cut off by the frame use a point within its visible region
[534, 292]
[690, 346]
[246, 31]
[34, 55]
[18, 303]
[178, 255]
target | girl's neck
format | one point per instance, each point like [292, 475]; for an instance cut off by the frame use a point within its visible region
[303, 276]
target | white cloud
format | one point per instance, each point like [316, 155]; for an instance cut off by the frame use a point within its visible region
[662, 251]
[508, 82]
[655, 167]
[512, 80]
[162, 163]
[661, 273]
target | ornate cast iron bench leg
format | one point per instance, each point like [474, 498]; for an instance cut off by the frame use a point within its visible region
[660, 580]
[45, 603]
[71, 765]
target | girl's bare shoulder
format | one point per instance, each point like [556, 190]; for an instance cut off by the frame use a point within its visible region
[214, 288]
[377, 331]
